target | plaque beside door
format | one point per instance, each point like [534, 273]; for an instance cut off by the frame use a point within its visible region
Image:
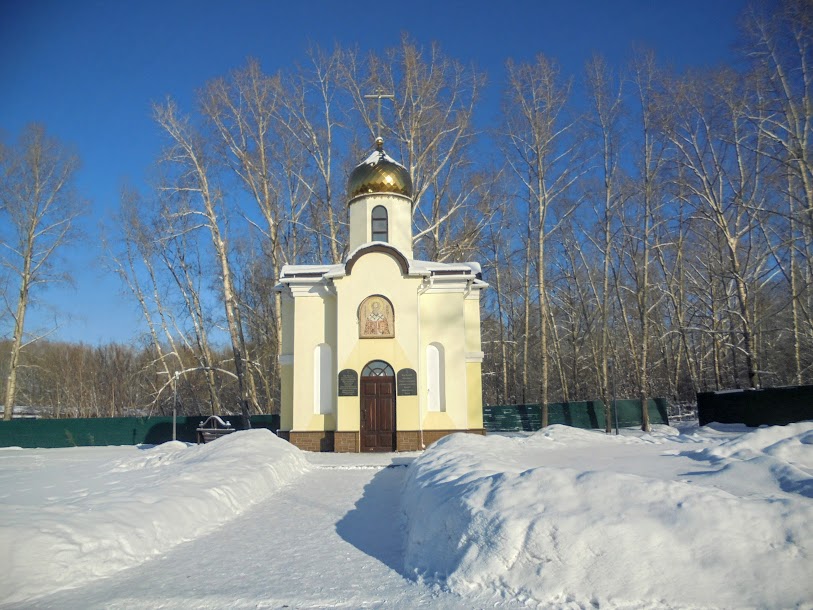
[348, 383]
[407, 382]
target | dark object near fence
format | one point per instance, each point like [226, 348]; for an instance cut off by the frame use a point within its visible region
[213, 428]
[588, 415]
[765, 407]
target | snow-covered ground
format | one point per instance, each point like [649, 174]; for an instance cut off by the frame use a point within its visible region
[68, 516]
[573, 518]
[716, 517]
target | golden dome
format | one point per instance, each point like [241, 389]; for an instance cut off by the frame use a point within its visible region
[379, 173]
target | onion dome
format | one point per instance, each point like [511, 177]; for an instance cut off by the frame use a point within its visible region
[379, 173]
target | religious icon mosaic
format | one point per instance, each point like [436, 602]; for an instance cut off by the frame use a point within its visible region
[376, 318]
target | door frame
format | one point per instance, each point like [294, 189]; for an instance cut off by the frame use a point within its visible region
[362, 396]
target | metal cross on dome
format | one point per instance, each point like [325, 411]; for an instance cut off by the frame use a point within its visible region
[379, 96]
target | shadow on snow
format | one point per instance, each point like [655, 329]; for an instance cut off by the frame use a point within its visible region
[375, 526]
[788, 478]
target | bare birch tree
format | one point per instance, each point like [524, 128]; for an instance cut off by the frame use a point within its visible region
[311, 112]
[435, 97]
[779, 47]
[244, 110]
[134, 260]
[539, 145]
[649, 192]
[39, 208]
[180, 255]
[607, 101]
[723, 171]
[498, 256]
[781, 44]
[197, 178]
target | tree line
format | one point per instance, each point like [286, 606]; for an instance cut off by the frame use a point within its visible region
[645, 232]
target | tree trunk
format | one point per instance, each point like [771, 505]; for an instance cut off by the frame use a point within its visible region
[17, 343]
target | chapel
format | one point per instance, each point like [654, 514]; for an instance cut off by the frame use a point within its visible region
[381, 352]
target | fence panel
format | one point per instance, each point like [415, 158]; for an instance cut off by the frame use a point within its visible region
[588, 415]
[765, 407]
[51, 433]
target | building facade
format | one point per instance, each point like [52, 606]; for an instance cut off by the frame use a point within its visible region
[381, 352]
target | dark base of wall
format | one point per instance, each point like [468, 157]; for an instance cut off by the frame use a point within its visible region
[410, 440]
[348, 442]
[310, 441]
[431, 436]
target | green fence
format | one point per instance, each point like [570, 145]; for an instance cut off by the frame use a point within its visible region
[49, 433]
[587, 414]
[765, 407]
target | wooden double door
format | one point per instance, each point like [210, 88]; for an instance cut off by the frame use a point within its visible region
[378, 410]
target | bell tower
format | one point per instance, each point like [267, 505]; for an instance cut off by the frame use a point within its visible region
[379, 193]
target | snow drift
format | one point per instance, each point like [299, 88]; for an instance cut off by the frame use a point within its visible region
[136, 508]
[729, 525]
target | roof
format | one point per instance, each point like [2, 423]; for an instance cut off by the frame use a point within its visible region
[411, 267]
[379, 173]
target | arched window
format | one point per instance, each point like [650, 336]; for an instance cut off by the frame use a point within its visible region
[377, 368]
[322, 379]
[436, 377]
[379, 223]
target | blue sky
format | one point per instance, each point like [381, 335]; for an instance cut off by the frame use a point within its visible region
[89, 70]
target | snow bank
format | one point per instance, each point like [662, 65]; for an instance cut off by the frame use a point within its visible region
[480, 519]
[136, 508]
[792, 444]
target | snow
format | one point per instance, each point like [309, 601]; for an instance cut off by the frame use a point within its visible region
[575, 518]
[314, 273]
[720, 516]
[289, 271]
[73, 515]
[376, 157]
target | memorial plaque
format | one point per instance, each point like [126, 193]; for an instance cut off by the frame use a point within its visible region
[348, 383]
[407, 382]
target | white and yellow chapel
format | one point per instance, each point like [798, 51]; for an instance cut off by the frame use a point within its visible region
[381, 352]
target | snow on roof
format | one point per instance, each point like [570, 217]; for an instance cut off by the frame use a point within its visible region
[426, 267]
[416, 267]
[374, 243]
[379, 155]
[289, 271]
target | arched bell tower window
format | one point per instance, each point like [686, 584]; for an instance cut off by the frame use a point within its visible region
[379, 224]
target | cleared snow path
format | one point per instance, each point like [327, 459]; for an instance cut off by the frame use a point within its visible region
[332, 539]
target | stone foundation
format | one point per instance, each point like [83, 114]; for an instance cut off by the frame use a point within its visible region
[310, 441]
[410, 440]
[348, 442]
[431, 436]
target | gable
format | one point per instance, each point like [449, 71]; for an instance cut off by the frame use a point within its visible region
[389, 251]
